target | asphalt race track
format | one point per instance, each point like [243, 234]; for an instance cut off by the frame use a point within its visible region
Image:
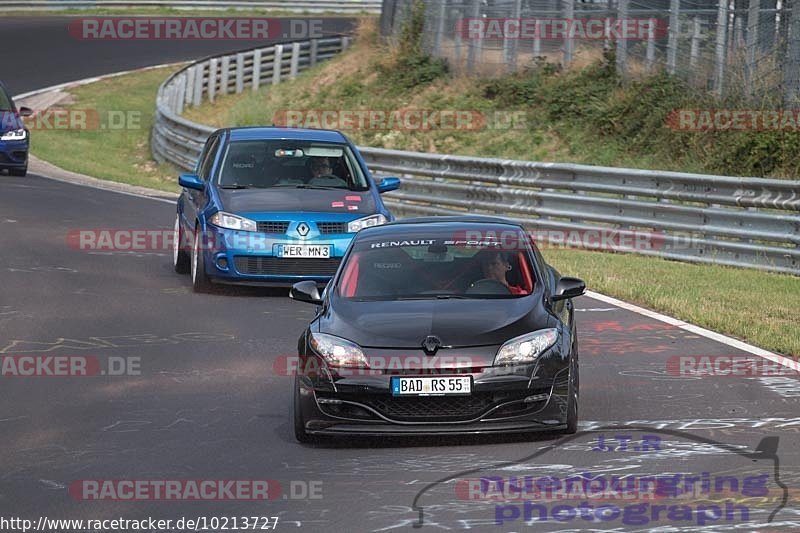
[44, 52]
[204, 396]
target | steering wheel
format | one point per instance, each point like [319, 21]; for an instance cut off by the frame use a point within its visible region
[488, 286]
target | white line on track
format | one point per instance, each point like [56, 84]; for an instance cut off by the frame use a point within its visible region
[697, 330]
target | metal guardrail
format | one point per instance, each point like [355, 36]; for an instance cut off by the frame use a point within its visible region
[745, 222]
[180, 141]
[311, 6]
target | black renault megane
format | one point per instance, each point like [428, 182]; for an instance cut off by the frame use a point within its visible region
[440, 325]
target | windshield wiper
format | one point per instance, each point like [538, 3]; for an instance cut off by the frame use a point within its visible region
[435, 297]
[235, 186]
[320, 187]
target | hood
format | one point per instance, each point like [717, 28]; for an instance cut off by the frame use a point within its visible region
[457, 323]
[294, 200]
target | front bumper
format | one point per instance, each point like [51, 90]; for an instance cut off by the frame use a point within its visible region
[14, 154]
[250, 258]
[498, 404]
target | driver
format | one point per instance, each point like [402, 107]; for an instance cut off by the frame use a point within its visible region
[320, 166]
[495, 266]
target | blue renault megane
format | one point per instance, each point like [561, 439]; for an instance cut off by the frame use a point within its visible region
[273, 206]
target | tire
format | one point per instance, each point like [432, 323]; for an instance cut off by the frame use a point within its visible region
[200, 281]
[300, 433]
[572, 403]
[181, 261]
[18, 172]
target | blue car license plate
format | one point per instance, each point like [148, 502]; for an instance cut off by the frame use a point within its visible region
[320, 251]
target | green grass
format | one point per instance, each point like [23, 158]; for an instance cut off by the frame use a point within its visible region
[758, 307]
[121, 155]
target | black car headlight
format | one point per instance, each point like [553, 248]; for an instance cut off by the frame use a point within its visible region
[526, 348]
[338, 351]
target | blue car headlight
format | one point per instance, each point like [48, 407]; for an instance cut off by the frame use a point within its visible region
[225, 220]
[14, 135]
[526, 348]
[366, 222]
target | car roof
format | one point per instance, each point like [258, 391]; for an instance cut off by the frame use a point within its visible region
[258, 133]
[486, 223]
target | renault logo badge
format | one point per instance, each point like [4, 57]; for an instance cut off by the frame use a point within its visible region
[303, 229]
[431, 344]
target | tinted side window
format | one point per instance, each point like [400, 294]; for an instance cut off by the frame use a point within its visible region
[5, 101]
[208, 160]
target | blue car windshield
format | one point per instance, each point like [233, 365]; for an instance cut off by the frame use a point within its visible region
[280, 163]
[5, 101]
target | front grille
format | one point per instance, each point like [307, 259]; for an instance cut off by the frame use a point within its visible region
[259, 266]
[327, 228]
[273, 227]
[4, 158]
[430, 408]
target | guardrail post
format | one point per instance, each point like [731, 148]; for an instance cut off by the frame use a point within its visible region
[277, 62]
[239, 73]
[224, 71]
[345, 43]
[190, 73]
[256, 70]
[212, 79]
[312, 53]
[181, 94]
[295, 60]
[197, 98]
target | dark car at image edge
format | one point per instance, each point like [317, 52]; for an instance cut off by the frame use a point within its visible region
[14, 136]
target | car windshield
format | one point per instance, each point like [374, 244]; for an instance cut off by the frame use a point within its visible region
[412, 267]
[290, 164]
[5, 101]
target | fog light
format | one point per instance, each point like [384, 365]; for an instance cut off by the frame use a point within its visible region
[222, 263]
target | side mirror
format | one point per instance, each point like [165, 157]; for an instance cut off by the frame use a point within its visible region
[191, 181]
[25, 111]
[306, 291]
[388, 184]
[568, 288]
